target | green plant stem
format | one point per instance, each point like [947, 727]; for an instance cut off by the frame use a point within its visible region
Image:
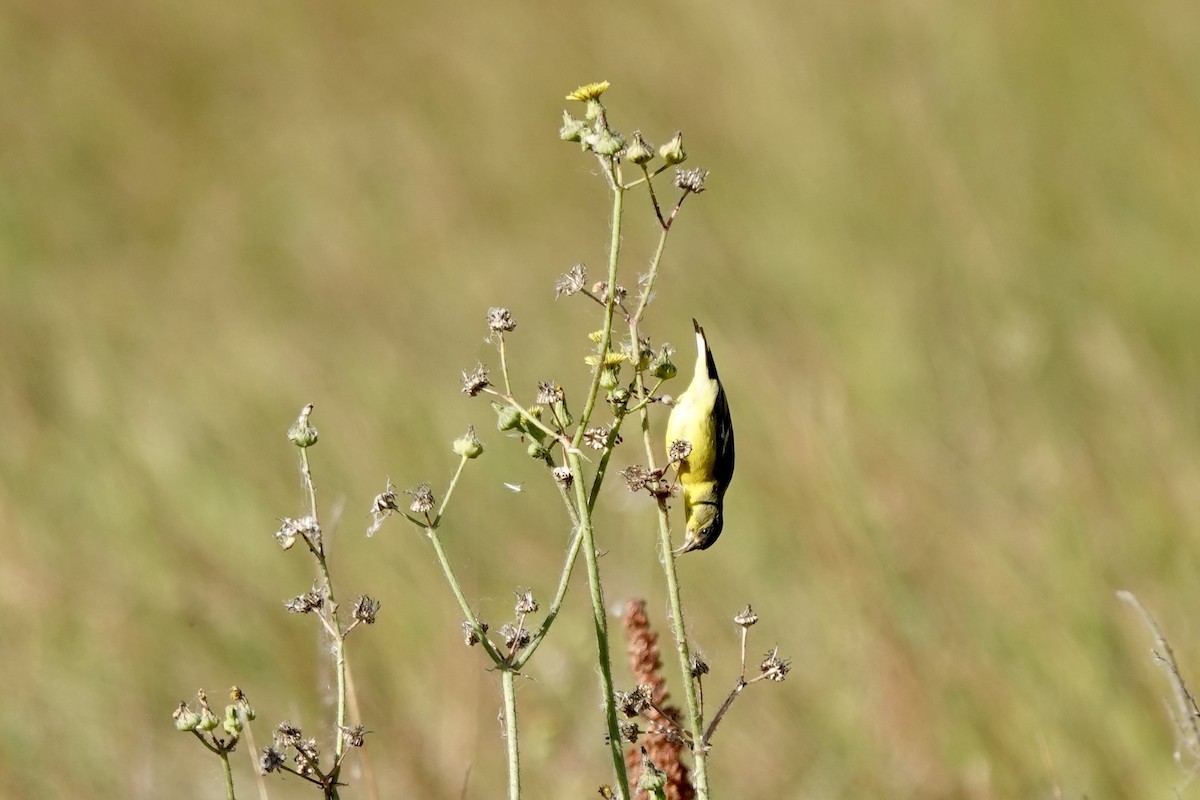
[605, 345]
[600, 623]
[599, 615]
[695, 722]
[504, 364]
[228, 772]
[556, 604]
[510, 734]
[448, 571]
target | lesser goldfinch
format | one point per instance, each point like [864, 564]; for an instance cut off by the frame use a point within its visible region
[701, 418]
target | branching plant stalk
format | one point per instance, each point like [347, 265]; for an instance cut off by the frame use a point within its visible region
[431, 531]
[339, 638]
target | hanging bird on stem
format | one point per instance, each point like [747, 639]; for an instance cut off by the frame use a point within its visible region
[701, 418]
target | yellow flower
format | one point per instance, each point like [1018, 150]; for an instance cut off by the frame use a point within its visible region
[589, 91]
[611, 359]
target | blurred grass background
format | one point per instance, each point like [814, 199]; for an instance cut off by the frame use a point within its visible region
[947, 262]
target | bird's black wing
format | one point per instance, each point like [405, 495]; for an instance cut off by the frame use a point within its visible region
[723, 438]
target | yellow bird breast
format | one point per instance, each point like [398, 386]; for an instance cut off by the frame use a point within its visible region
[692, 421]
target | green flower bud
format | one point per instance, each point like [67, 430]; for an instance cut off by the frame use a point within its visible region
[572, 129]
[639, 151]
[653, 780]
[662, 367]
[243, 703]
[507, 417]
[467, 445]
[594, 109]
[672, 152]
[536, 450]
[301, 433]
[606, 142]
[561, 413]
[233, 721]
[618, 399]
[208, 720]
[610, 378]
[185, 718]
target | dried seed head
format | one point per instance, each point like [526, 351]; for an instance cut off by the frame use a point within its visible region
[422, 496]
[475, 381]
[635, 477]
[304, 603]
[635, 702]
[515, 638]
[774, 667]
[287, 735]
[629, 731]
[600, 289]
[470, 635]
[354, 735]
[596, 438]
[697, 666]
[525, 602]
[678, 451]
[746, 617]
[549, 393]
[270, 760]
[562, 476]
[500, 319]
[308, 757]
[365, 609]
[386, 501]
[385, 504]
[691, 180]
[572, 281]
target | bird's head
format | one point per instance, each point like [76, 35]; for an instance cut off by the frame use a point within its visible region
[703, 527]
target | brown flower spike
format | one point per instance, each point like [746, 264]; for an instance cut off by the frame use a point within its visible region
[663, 750]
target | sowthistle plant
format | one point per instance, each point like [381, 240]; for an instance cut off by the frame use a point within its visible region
[627, 371]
